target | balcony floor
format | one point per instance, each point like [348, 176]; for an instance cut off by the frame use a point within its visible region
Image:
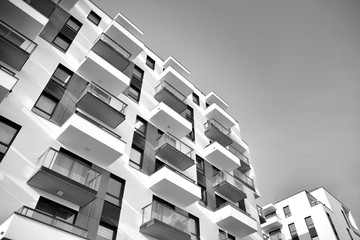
[163, 231]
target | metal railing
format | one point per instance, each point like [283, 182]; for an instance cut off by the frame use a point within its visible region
[238, 154]
[223, 176]
[11, 35]
[71, 168]
[176, 143]
[175, 171]
[213, 123]
[165, 214]
[107, 98]
[52, 221]
[277, 236]
[244, 178]
[114, 45]
[165, 85]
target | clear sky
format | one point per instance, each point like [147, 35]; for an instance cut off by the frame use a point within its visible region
[290, 71]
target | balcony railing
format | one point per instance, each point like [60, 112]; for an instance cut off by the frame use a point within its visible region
[177, 172]
[16, 38]
[238, 154]
[234, 206]
[115, 45]
[176, 143]
[223, 176]
[277, 236]
[213, 123]
[165, 214]
[171, 89]
[224, 236]
[107, 98]
[71, 168]
[50, 220]
[244, 178]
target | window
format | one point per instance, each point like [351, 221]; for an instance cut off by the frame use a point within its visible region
[136, 84]
[62, 75]
[94, 18]
[351, 237]
[150, 62]
[136, 157]
[311, 227]
[293, 232]
[203, 194]
[196, 99]
[332, 225]
[200, 164]
[67, 34]
[8, 130]
[106, 232]
[189, 115]
[140, 126]
[56, 210]
[115, 190]
[193, 226]
[287, 211]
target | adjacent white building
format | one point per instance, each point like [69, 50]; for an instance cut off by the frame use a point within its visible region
[309, 215]
[100, 138]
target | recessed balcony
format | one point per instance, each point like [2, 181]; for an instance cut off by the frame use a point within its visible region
[177, 81]
[91, 140]
[174, 187]
[24, 18]
[215, 112]
[102, 105]
[64, 176]
[234, 220]
[217, 132]
[123, 37]
[245, 163]
[15, 48]
[162, 222]
[105, 65]
[248, 181]
[277, 236]
[169, 95]
[170, 121]
[173, 63]
[30, 223]
[7, 82]
[228, 186]
[269, 208]
[172, 150]
[272, 222]
[221, 157]
[214, 98]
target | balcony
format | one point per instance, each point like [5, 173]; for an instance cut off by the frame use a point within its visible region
[177, 81]
[216, 132]
[217, 113]
[103, 106]
[15, 48]
[39, 225]
[174, 186]
[45, 7]
[213, 98]
[244, 179]
[234, 220]
[245, 163]
[169, 95]
[261, 214]
[277, 236]
[170, 121]
[173, 63]
[7, 82]
[228, 186]
[91, 140]
[221, 157]
[123, 32]
[269, 208]
[162, 222]
[23, 17]
[174, 151]
[272, 222]
[105, 65]
[225, 236]
[66, 177]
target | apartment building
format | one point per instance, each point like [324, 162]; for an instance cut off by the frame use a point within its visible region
[308, 215]
[100, 138]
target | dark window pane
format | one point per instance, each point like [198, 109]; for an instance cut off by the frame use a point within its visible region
[62, 42]
[150, 62]
[73, 24]
[94, 18]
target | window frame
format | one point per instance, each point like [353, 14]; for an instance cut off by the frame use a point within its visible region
[134, 164]
[150, 62]
[196, 99]
[13, 125]
[287, 214]
[293, 233]
[94, 18]
[144, 123]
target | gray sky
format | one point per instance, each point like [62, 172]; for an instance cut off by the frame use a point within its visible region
[290, 71]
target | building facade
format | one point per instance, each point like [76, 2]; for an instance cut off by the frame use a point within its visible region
[100, 138]
[313, 215]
